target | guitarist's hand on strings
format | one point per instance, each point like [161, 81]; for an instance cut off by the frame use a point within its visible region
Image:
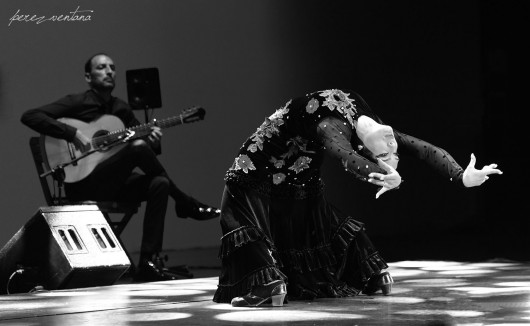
[81, 142]
[155, 136]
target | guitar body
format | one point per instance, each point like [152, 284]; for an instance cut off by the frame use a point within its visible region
[59, 151]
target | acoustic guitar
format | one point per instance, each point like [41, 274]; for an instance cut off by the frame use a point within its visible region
[108, 136]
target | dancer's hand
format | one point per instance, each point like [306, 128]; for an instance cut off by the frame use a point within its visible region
[387, 181]
[473, 177]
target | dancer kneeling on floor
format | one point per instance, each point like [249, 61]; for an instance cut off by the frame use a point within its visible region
[280, 235]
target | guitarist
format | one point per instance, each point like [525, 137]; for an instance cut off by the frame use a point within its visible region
[113, 179]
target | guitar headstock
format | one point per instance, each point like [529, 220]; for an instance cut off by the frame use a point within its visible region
[193, 114]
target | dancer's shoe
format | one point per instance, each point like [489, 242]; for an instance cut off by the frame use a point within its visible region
[378, 282]
[274, 291]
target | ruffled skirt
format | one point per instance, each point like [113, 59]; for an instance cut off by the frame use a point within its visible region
[306, 242]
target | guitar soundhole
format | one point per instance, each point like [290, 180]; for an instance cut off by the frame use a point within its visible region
[100, 141]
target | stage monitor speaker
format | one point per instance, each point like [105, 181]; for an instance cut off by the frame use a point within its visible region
[62, 247]
[143, 88]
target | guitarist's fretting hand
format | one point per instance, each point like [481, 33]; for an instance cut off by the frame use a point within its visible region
[81, 142]
[155, 136]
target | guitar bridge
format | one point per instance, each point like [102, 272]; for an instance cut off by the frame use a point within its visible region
[71, 151]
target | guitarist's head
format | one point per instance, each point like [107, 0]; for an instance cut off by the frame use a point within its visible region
[100, 73]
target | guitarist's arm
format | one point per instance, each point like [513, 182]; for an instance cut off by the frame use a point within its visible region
[81, 142]
[44, 119]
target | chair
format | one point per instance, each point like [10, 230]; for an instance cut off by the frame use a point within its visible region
[54, 193]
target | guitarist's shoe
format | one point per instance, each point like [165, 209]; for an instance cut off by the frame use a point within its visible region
[149, 271]
[195, 210]
[180, 271]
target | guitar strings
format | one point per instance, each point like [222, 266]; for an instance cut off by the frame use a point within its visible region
[142, 129]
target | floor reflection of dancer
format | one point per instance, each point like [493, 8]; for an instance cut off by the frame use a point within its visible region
[279, 232]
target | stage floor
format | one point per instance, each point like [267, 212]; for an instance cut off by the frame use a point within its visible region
[425, 293]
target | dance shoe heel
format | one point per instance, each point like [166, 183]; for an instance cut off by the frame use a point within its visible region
[277, 300]
[274, 291]
[386, 284]
[381, 282]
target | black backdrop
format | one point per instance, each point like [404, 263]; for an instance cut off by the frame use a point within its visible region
[454, 75]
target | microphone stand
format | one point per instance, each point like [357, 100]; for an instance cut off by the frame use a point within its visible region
[58, 171]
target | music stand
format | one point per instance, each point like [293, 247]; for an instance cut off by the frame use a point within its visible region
[143, 89]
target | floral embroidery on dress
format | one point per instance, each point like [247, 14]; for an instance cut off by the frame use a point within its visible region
[277, 163]
[300, 164]
[338, 100]
[312, 106]
[301, 143]
[244, 163]
[278, 114]
[278, 178]
[253, 147]
[268, 128]
[296, 144]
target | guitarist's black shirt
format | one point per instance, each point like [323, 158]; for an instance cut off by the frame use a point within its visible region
[86, 106]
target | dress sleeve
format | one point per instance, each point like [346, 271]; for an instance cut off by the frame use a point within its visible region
[437, 158]
[335, 136]
[44, 119]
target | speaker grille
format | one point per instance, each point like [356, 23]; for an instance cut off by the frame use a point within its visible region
[71, 242]
[104, 237]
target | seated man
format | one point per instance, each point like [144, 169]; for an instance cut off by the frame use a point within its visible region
[113, 178]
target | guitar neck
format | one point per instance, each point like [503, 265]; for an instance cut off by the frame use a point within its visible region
[145, 129]
[137, 131]
[125, 134]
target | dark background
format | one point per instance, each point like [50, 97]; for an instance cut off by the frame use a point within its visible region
[453, 73]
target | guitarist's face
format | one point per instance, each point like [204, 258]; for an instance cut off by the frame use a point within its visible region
[103, 73]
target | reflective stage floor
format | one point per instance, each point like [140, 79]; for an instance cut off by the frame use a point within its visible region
[425, 293]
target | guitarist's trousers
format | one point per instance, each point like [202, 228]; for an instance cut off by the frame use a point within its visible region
[117, 179]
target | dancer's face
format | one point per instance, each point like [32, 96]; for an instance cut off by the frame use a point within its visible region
[379, 139]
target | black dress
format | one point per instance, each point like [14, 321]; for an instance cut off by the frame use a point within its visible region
[275, 220]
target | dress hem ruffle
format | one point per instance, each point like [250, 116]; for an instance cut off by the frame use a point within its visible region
[330, 256]
[343, 239]
[226, 292]
[308, 259]
[344, 236]
[239, 237]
